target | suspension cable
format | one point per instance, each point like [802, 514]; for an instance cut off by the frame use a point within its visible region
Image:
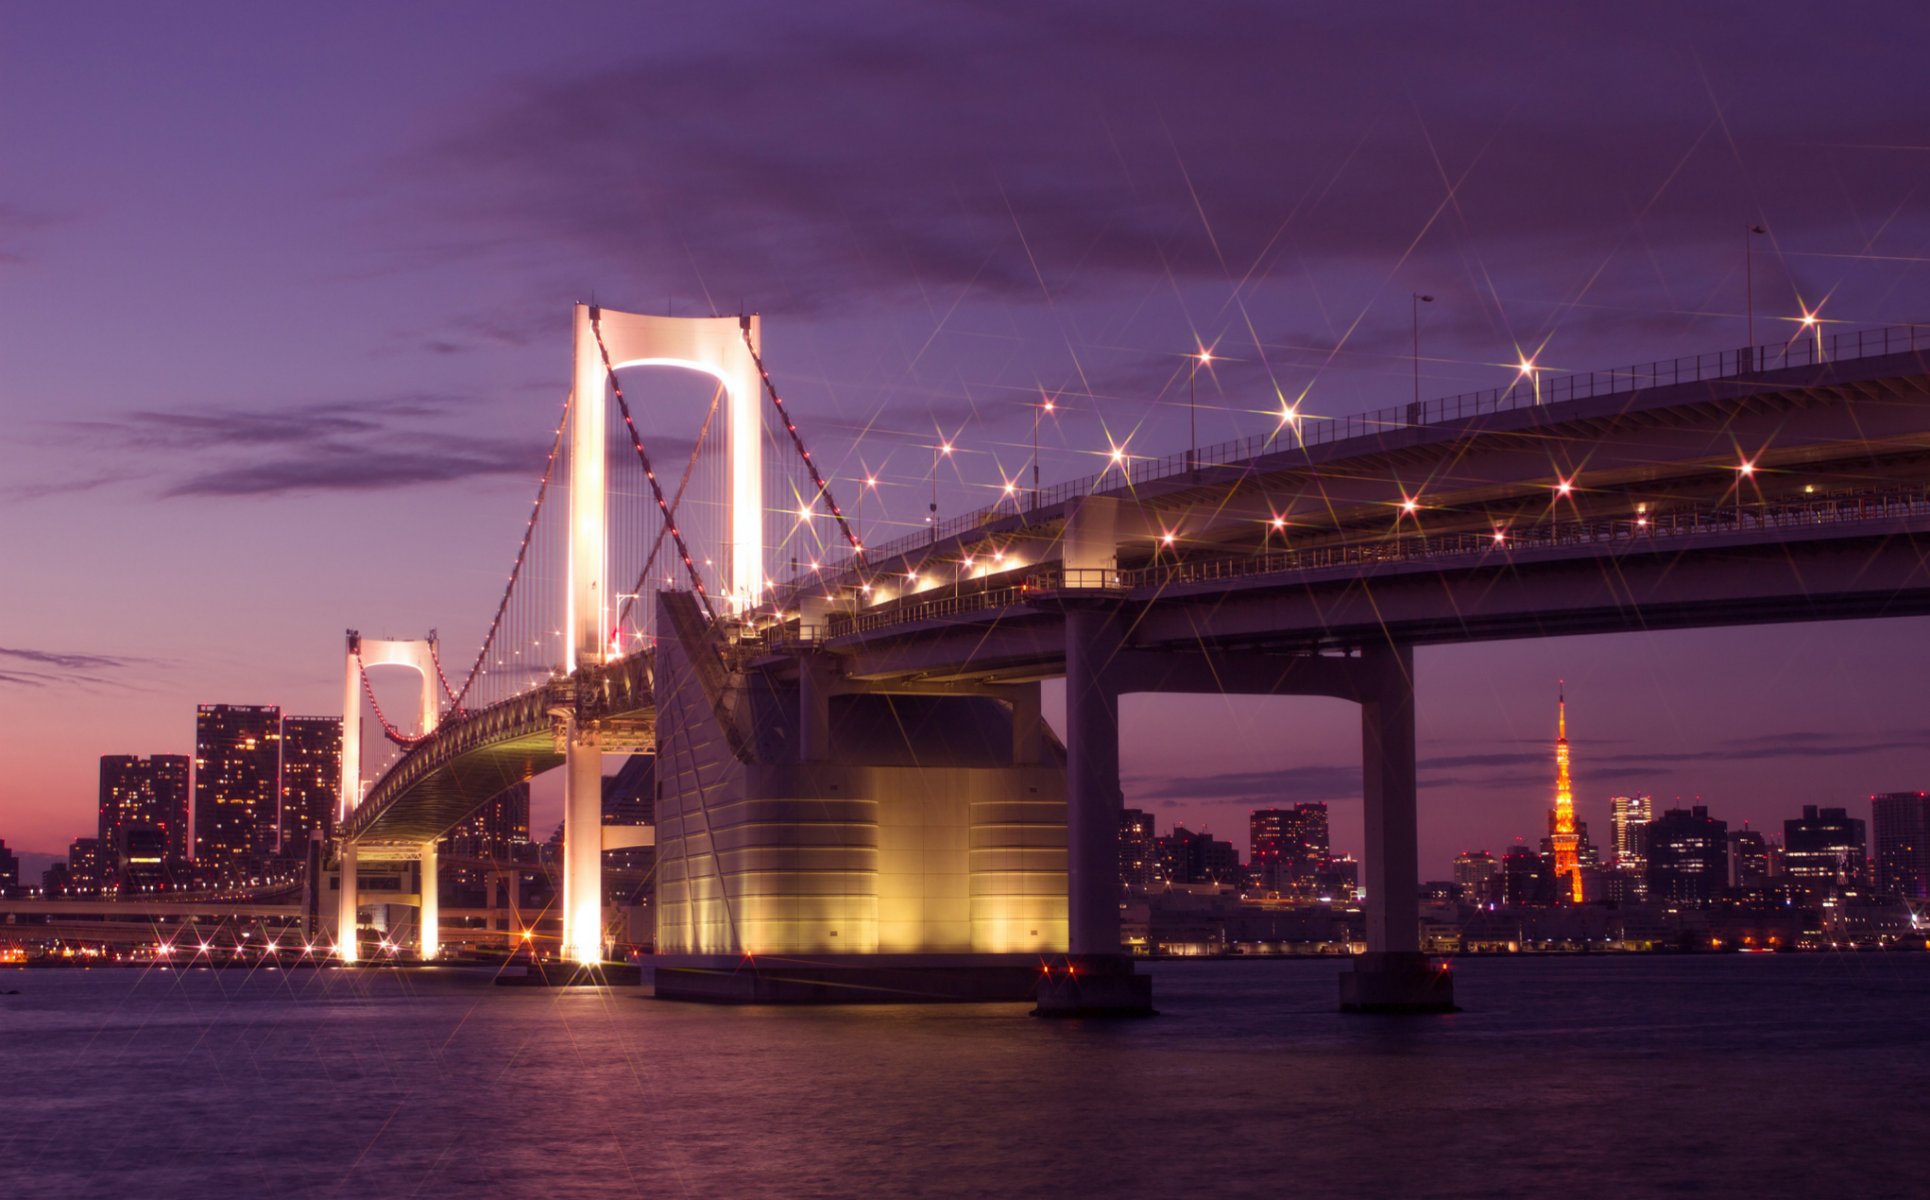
[797, 440]
[656, 489]
[676, 502]
[515, 571]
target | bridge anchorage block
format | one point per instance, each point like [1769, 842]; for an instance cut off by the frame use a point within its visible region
[1397, 982]
[1093, 985]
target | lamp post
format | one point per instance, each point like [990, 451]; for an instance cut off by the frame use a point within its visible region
[944, 448]
[1044, 405]
[1415, 305]
[1527, 367]
[1203, 358]
[1749, 233]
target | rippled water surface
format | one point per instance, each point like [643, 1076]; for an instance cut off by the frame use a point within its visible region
[1745, 1076]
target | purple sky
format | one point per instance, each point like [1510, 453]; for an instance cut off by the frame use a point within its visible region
[284, 319]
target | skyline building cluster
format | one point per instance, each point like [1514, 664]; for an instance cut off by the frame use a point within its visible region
[1687, 857]
[244, 807]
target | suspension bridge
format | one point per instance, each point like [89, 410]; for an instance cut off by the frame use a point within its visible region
[857, 795]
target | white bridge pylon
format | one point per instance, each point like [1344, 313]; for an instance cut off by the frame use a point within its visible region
[721, 347]
[361, 654]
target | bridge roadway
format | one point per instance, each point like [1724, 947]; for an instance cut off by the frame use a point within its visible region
[1718, 495]
[1530, 521]
[473, 757]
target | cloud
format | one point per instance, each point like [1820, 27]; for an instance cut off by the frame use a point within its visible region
[1052, 155]
[23, 667]
[399, 441]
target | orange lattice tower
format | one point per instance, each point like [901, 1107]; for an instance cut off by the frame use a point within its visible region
[1562, 827]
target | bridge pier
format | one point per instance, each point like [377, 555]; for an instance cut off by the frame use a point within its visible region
[347, 909]
[429, 912]
[1393, 976]
[583, 845]
[1096, 978]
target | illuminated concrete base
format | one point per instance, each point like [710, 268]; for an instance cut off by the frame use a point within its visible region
[852, 979]
[1397, 983]
[1092, 985]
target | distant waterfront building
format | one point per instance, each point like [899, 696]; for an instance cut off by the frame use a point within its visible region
[1338, 880]
[1526, 878]
[1138, 850]
[9, 868]
[142, 799]
[1823, 847]
[1291, 847]
[311, 779]
[1563, 840]
[1188, 857]
[1748, 858]
[1688, 856]
[1900, 825]
[1474, 871]
[237, 775]
[85, 867]
[1627, 818]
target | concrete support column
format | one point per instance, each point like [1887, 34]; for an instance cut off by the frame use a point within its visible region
[429, 915]
[1028, 739]
[1393, 976]
[347, 911]
[1096, 979]
[583, 846]
[1093, 797]
[1392, 791]
[814, 687]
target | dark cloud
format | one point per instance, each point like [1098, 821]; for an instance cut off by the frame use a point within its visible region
[23, 667]
[394, 442]
[1048, 153]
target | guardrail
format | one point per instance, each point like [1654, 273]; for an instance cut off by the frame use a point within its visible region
[1745, 520]
[1527, 391]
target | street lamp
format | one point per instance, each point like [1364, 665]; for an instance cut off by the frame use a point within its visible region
[944, 448]
[1203, 359]
[1814, 324]
[1418, 300]
[1527, 367]
[1749, 233]
[1045, 405]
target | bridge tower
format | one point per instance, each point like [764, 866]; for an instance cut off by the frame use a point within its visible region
[608, 341]
[418, 655]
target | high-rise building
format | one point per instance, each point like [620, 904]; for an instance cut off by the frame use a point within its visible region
[237, 773]
[9, 868]
[1688, 856]
[142, 799]
[1900, 824]
[1291, 846]
[1475, 871]
[1138, 850]
[1188, 857]
[311, 778]
[1564, 843]
[1748, 858]
[1526, 878]
[85, 866]
[1824, 847]
[1628, 819]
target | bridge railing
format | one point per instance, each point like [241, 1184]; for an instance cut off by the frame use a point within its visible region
[1746, 519]
[1539, 389]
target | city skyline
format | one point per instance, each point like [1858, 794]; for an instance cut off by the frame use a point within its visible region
[416, 251]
